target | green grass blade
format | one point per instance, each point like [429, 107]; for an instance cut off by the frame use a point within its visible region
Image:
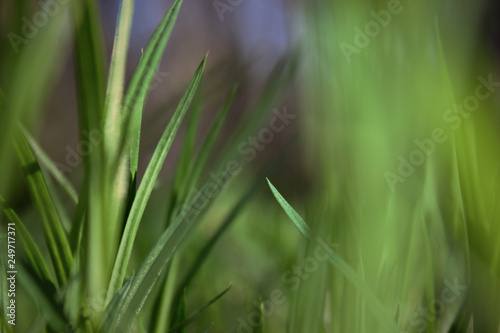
[187, 153]
[179, 327]
[164, 302]
[380, 313]
[195, 169]
[39, 61]
[43, 294]
[141, 81]
[77, 223]
[125, 306]
[292, 214]
[30, 248]
[147, 184]
[116, 79]
[55, 236]
[207, 249]
[54, 171]
[90, 73]
[180, 316]
[189, 142]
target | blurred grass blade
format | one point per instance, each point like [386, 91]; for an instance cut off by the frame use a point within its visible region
[43, 294]
[180, 316]
[33, 75]
[47, 163]
[90, 72]
[116, 79]
[141, 81]
[292, 214]
[374, 304]
[147, 184]
[55, 236]
[125, 306]
[187, 153]
[196, 168]
[77, 223]
[194, 315]
[189, 141]
[30, 248]
[207, 249]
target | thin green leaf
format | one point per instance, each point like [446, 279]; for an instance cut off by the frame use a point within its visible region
[43, 294]
[55, 236]
[292, 214]
[373, 303]
[198, 312]
[116, 79]
[179, 316]
[141, 81]
[77, 223]
[25, 97]
[195, 169]
[90, 73]
[128, 302]
[187, 153]
[147, 184]
[54, 171]
[29, 246]
[207, 249]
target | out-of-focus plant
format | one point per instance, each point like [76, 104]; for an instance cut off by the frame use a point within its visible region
[402, 132]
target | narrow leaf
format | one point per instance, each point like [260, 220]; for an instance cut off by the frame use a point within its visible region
[198, 312]
[31, 250]
[147, 184]
[54, 171]
[55, 236]
[292, 214]
[141, 81]
[374, 304]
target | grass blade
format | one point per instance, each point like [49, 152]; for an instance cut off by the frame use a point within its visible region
[125, 306]
[195, 169]
[292, 214]
[179, 317]
[55, 236]
[187, 154]
[147, 184]
[116, 79]
[54, 171]
[42, 293]
[31, 250]
[140, 82]
[178, 328]
[373, 303]
[90, 83]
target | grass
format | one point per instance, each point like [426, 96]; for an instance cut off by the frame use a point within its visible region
[377, 242]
